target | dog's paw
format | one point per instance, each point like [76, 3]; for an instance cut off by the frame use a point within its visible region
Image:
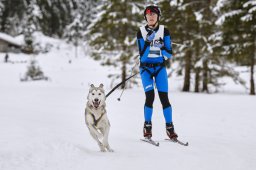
[102, 149]
[110, 150]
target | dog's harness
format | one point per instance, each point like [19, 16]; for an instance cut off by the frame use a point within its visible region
[96, 121]
[145, 66]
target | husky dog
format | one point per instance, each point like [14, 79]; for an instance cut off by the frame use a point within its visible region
[96, 117]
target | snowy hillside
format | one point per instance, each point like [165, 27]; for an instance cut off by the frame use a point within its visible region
[42, 122]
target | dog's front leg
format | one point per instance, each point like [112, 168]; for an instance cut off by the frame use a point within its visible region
[97, 136]
[105, 138]
[93, 130]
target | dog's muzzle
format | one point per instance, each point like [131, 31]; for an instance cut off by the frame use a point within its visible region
[96, 103]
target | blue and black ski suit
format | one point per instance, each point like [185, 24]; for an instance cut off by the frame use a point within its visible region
[152, 69]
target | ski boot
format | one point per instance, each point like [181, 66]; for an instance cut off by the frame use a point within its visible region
[147, 130]
[170, 131]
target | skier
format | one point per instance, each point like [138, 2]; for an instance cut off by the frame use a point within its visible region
[6, 58]
[154, 43]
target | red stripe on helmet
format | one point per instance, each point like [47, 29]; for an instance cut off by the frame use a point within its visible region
[148, 11]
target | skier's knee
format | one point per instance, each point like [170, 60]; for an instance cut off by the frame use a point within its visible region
[164, 99]
[150, 96]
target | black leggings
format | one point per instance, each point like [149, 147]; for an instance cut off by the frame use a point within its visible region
[150, 96]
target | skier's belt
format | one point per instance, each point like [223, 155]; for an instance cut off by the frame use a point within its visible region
[152, 64]
[145, 66]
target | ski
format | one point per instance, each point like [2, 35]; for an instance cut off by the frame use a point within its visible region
[150, 141]
[177, 141]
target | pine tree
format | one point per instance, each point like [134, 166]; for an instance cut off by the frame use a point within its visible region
[31, 24]
[83, 12]
[56, 14]
[11, 16]
[239, 42]
[198, 52]
[249, 45]
[205, 58]
[181, 20]
[113, 34]
[210, 67]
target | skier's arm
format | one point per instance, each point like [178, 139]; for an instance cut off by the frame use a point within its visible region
[143, 46]
[167, 48]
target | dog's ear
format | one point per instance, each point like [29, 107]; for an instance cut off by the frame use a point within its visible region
[92, 86]
[101, 85]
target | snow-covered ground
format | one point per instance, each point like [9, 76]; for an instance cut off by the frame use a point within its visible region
[42, 122]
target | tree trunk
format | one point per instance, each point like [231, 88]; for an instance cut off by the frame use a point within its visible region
[123, 73]
[252, 85]
[186, 85]
[197, 80]
[205, 76]
[198, 68]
